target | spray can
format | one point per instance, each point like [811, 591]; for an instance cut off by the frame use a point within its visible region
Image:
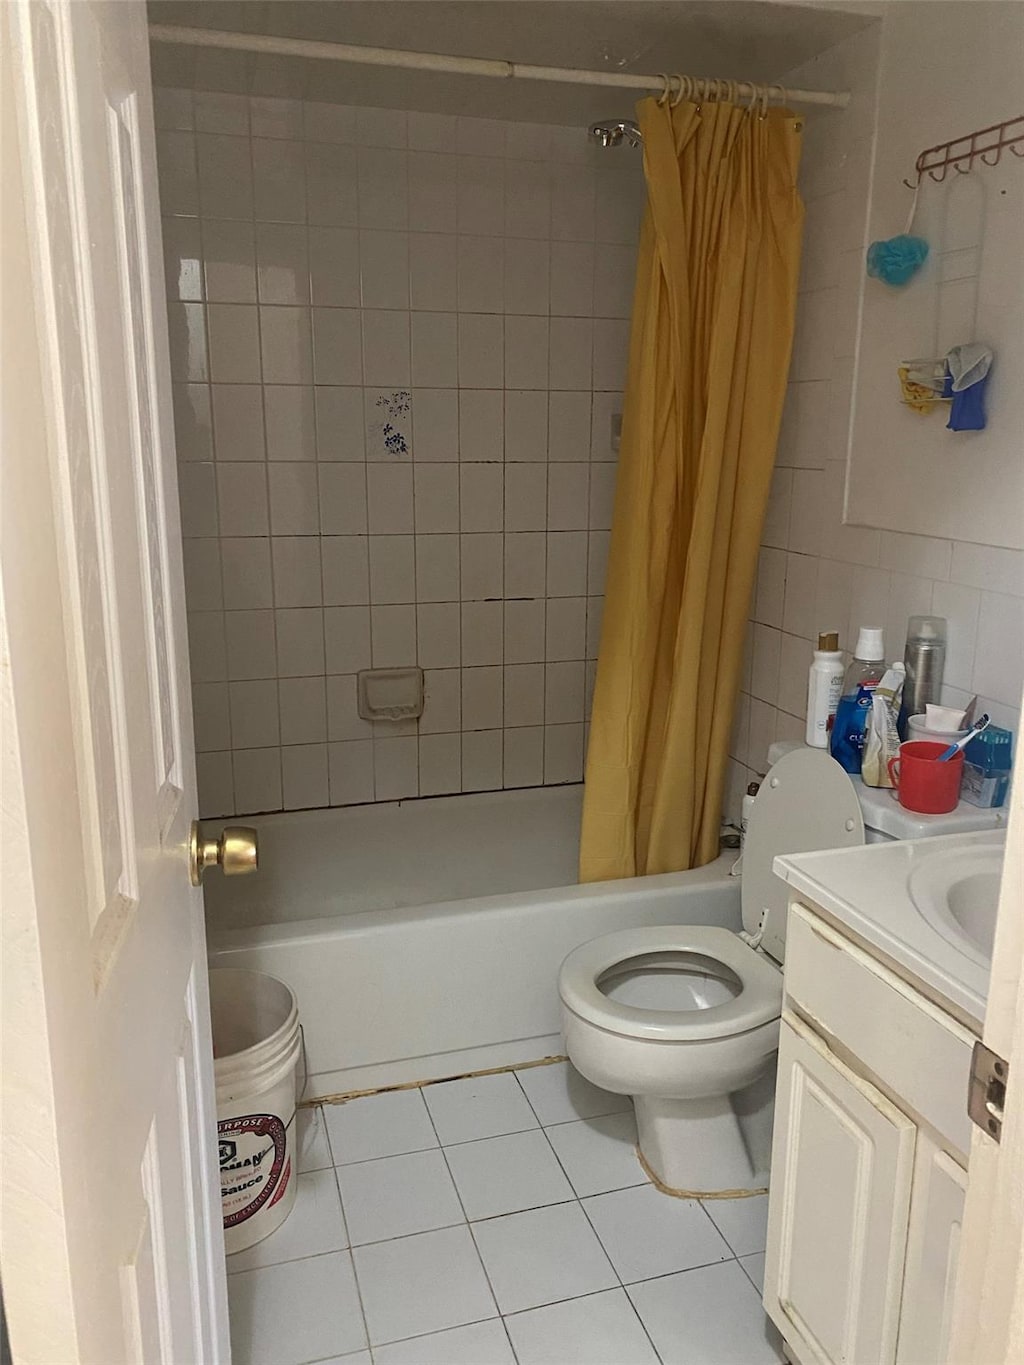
[925, 658]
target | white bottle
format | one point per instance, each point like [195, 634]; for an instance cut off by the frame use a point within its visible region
[824, 688]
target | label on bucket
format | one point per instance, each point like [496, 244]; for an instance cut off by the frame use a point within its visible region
[252, 1164]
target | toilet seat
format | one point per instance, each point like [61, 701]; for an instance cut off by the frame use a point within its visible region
[758, 1002]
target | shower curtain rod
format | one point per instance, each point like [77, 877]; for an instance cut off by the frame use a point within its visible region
[462, 66]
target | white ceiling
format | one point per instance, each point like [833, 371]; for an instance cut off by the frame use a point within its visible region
[741, 39]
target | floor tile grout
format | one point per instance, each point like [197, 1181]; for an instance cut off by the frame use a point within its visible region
[583, 1201]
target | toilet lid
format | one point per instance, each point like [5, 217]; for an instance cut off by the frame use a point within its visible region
[806, 803]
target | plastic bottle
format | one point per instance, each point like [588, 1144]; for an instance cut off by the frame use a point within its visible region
[824, 688]
[862, 677]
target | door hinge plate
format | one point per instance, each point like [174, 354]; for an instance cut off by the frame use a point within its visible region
[987, 1094]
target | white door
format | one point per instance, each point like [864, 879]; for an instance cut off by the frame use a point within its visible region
[933, 1247]
[111, 1246]
[842, 1161]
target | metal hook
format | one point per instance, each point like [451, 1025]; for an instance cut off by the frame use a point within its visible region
[1013, 148]
[962, 170]
[998, 155]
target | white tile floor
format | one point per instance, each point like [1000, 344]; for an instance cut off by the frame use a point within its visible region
[493, 1221]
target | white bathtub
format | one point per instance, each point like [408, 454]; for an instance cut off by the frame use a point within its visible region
[423, 938]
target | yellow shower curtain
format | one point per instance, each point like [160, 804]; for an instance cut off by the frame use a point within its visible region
[712, 330]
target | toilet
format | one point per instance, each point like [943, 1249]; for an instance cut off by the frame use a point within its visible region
[685, 1018]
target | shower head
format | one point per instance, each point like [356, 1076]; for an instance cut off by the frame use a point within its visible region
[611, 132]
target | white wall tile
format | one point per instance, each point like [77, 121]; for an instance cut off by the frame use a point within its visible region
[234, 345]
[282, 263]
[523, 757]
[436, 488]
[524, 694]
[480, 497]
[438, 635]
[303, 705]
[526, 497]
[527, 272]
[342, 499]
[241, 499]
[331, 185]
[563, 753]
[329, 122]
[226, 263]
[524, 631]
[481, 566]
[572, 279]
[350, 768]
[279, 181]
[442, 701]
[481, 425]
[286, 345]
[437, 568]
[568, 492]
[386, 348]
[257, 780]
[433, 271]
[193, 422]
[337, 346]
[435, 414]
[297, 575]
[384, 269]
[481, 351]
[566, 564]
[304, 783]
[526, 425]
[203, 590]
[481, 633]
[300, 642]
[347, 639]
[566, 626]
[251, 648]
[343, 719]
[999, 662]
[392, 569]
[435, 350]
[383, 188]
[393, 636]
[526, 352]
[334, 267]
[481, 760]
[246, 571]
[431, 132]
[290, 424]
[481, 195]
[480, 274]
[389, 491]
[432, 191]
[572, 344]
[482, 698]
[294, 500]
[225, 177]
[440, 762]
[525, 564]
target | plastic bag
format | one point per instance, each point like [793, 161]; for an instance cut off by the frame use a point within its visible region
[881, 739]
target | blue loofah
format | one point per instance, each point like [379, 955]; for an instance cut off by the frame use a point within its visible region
[898, 259]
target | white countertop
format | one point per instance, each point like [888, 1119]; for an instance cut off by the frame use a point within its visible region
[864, 889]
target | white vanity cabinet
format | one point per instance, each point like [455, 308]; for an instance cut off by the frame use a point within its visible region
[870, 1141]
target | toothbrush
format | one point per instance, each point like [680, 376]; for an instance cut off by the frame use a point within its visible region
[954, 749]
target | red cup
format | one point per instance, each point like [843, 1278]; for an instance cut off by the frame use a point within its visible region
[925, 785]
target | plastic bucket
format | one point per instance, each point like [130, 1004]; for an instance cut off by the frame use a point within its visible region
[256, 1046]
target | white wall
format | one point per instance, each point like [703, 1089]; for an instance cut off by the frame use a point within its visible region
[946, 70]
[816, 572]
[474, 277]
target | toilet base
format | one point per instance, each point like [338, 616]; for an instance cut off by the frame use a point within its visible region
[700, 1145]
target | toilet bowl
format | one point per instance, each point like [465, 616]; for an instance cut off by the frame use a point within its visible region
[685, 1018]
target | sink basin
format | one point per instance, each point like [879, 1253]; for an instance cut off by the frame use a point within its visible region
[957, 892]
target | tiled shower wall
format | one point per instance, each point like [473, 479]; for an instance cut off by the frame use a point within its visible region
[815, 572]
[397, 345]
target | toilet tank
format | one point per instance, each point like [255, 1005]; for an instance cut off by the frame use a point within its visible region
[885, 819]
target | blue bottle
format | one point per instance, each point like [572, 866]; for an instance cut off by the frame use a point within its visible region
[862, 677]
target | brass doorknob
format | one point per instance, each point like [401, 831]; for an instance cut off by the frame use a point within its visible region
[235, 852]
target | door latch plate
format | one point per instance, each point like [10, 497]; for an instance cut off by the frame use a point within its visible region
[987, 1095]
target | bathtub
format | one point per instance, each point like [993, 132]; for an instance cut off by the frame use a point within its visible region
[423, 938]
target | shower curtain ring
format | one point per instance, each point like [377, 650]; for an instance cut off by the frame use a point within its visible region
[682, 91]
[666, 89]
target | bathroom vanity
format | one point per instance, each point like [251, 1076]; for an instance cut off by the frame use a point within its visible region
[886, 975]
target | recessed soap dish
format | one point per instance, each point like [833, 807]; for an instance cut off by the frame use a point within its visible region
[390, 693]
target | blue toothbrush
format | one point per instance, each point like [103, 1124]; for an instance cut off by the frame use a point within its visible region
[954, 749]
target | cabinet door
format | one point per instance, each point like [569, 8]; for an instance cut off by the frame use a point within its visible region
[842, 1162]
[933, 1244]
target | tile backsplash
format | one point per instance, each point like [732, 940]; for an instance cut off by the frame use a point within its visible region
[817, 573]
[397, 343]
